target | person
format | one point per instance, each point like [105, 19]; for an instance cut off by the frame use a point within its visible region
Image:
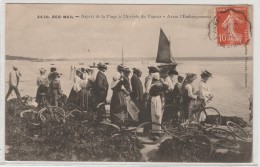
[91, 73]
[169, 96]
[55, 90]
[100, 88]
[84, 91]
[171, 78]
[126, 74]
[74, 93]
[43, 85]
[156, 90]
[205, 96]
[147, 84]
[52, 74]
[137, 92]
[14, 78]
[177, 101]
[204, 91]
[120, 69]
[118, 108]
[147, 99]
[188, 97]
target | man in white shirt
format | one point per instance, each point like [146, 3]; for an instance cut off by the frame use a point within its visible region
[14, 78]
[204, 91]
[171, 79]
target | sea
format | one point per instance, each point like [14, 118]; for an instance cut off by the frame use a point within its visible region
[231, 84]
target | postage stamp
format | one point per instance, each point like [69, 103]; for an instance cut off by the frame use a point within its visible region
[232, 25]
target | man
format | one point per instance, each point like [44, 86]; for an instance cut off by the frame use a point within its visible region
[170, 79]
[204, 92]
[100, 88]
[137, 92]
[14, 78]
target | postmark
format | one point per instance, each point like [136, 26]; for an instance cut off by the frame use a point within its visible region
[233, 28]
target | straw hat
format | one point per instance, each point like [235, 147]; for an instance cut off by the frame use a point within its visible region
[42, 70]
[101, 66]
[191, 76]
[206, 73]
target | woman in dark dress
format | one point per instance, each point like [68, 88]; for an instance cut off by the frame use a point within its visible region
[118, 108]
[74, 93]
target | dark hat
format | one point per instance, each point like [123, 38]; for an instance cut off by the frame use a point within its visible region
[15, 67]
[82, 69]
[101, 66]
[180, 78]
[120, 66]
[126, 69]
[53, 69]
[206, 73]
[153, 69]
[136, 70]
[172, 71]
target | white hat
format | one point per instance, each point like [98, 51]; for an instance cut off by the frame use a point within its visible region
[156, 75]
[116, 79]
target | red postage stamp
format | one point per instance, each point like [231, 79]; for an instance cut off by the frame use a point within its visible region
[232, 25]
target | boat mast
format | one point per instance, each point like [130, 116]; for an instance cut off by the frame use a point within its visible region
[122, 55]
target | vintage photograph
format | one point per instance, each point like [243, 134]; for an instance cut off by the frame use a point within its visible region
[129, 83]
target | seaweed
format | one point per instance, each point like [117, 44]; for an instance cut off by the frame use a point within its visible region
[70, 141]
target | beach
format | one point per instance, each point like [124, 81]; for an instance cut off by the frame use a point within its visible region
[227, 85]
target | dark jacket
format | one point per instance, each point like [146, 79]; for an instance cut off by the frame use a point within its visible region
[100, 87]
[137, 90]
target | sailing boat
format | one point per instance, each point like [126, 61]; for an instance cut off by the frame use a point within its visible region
[164, 54]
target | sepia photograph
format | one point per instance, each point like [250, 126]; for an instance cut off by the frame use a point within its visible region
[129, 83]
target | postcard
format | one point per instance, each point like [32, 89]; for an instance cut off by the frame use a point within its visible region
[129, 83]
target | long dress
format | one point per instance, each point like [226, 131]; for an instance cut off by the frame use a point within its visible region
[188, 102]
[84, 95]
[43, 87]
[137, 96]
[55, 92]
[118, 108]
[156, 91]
[74, 93]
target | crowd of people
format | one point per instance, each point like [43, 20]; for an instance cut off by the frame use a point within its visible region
[164, 96]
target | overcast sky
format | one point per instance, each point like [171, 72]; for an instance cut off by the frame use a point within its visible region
[78, 38]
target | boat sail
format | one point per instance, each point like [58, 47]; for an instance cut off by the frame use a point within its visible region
[164, 54]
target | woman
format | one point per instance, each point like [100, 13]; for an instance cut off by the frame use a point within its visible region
[43, 85]
[118, 108]
[84, 92]
[55, 90]
[188, 97]
[137, 92]
[126, 74]
[157, 88]
[74, 93]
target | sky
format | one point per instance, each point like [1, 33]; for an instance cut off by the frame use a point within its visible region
[105, 37]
